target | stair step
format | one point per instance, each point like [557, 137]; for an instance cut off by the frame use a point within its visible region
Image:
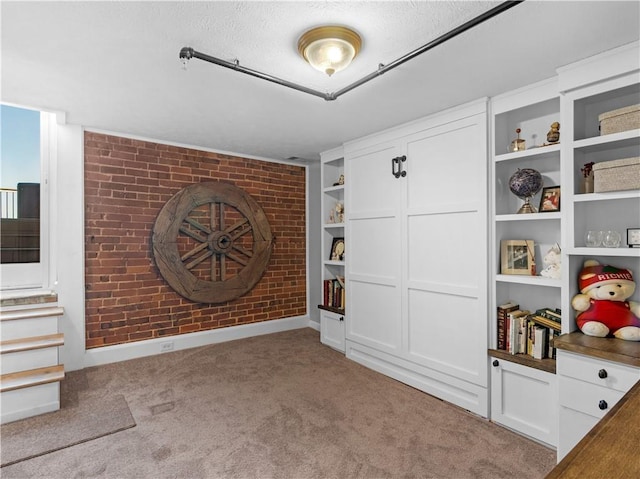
[31, 313]
[33, 377]
[28, 344]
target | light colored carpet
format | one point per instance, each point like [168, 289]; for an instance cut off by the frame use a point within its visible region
[39, 435]
[281, 406]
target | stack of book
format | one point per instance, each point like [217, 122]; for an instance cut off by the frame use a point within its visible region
[546, 324]
[522, 332]
[334, 294]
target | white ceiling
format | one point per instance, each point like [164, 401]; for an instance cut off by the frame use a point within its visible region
[114, 65]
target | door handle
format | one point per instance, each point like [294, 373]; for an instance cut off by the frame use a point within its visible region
[397, 162]
[402, 159]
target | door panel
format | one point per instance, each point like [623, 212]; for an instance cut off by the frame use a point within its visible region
[443, 331]
[445, 273]
[372, 189]
[373, 249]
[375, 319]
[443, 248]
[447, 165]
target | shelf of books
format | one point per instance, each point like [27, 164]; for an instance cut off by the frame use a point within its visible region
[333, 295]
[526, 337]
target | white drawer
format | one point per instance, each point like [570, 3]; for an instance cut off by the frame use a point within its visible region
[587, 398]
[615, 375]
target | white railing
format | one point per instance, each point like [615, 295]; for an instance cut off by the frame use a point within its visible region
[8, 203]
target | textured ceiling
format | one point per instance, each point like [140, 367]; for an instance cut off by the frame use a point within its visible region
[114, 65]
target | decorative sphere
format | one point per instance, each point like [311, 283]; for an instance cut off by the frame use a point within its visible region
[525, 183]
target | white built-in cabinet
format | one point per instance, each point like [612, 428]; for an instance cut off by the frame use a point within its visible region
[332, 317]
[593, 377]
[526, 394]
[417, 239]
[524, 390]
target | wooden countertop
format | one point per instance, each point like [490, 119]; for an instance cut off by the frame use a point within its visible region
[611, 349]
[610, 449]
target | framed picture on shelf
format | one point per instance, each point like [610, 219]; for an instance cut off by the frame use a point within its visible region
[517, 257]
[337, 250]
[550, 199]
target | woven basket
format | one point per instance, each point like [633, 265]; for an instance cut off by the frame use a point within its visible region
[617, 175]
[623, 119]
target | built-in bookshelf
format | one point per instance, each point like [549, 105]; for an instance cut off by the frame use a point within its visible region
[595, 373]
[525, 114]
[333, 249]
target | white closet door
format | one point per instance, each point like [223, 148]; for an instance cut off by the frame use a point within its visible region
[373, 249]
[446, 249]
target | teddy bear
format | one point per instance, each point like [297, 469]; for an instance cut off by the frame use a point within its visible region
[602, 306]
[552, 263]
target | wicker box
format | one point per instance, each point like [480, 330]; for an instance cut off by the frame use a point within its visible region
[617, 175]
[623, 119]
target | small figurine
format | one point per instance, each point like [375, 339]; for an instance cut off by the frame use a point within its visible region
[339, 215]
[552, 261]
[340, 181]
[517, 144]
[554, 133]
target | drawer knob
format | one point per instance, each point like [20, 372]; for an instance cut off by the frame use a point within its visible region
[341, 318]
[602, 373]
[603, 404]
[496, 363]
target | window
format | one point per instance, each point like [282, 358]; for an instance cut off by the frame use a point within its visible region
[24, 160]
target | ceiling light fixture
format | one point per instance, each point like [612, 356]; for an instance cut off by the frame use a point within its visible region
[187, 53]
[329, 49]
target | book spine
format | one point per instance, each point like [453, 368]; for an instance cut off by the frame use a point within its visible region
[522, 334]
[539, 345]
[502, 329]
[502, 324]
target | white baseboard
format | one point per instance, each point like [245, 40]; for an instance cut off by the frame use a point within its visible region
[11, 416]
[150, 347]
[314, 325]
[29, 401]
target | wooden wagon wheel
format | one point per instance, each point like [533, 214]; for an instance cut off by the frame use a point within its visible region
[212, 242]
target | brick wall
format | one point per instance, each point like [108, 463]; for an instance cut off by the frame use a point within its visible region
[127, 182]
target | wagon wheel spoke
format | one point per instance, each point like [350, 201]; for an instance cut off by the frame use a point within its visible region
[198, 260]
[242, 250]
[197, 225]
[237, 259]
[212, 224]
[194, 251]
[193, 234]
[240, 223]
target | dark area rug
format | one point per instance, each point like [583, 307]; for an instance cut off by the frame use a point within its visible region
[72, 424]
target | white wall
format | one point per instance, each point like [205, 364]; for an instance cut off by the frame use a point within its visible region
[68, 242]
[313, 245]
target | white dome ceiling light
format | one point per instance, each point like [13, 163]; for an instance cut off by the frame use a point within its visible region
[329, 49]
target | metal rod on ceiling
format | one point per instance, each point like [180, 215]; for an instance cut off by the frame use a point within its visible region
[188, 53]
[432, 44]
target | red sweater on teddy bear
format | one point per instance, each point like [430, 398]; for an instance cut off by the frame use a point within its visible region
[615, 314]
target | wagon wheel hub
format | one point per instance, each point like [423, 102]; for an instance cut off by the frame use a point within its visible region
[220, 242]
